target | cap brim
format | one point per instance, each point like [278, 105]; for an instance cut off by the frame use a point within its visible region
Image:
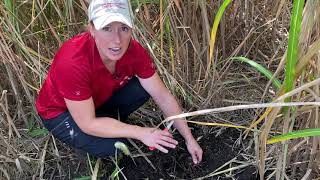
[102, 21]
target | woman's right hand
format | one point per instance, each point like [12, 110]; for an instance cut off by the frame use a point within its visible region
[158, 139]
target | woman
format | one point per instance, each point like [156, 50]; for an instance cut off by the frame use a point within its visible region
[100, 76]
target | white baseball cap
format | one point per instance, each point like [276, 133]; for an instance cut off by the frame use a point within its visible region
[104, 12]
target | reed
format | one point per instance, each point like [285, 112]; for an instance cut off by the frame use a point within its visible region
[214, 32]
[188, 40]
[290, 80]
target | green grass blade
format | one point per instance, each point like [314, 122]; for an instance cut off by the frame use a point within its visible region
[83, 178]
[294, 135]
[260, 68]
[10, 6]
[290, 74]
[291, 61]
[215, 27]
[115, 174]
[39, 132]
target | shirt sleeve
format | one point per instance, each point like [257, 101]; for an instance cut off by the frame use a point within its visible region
[144, 66]
[72, 81]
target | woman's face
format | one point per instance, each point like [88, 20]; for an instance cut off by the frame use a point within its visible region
[112, 40]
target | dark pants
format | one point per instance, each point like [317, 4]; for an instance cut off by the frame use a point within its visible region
[123, 102]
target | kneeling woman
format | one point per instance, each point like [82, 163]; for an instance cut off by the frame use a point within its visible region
[101, 75]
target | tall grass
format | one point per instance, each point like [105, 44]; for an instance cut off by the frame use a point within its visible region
[289, 115]
[214, 31]
[290, 72]
[177, 35]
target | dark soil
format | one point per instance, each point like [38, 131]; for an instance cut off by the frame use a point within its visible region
[177, 164]
[220, 145]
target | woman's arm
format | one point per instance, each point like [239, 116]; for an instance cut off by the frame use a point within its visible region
[83, 113]
[168, 104]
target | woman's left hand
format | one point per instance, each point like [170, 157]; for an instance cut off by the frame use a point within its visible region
[195, 150]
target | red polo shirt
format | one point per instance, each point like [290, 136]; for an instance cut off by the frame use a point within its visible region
[78, 73]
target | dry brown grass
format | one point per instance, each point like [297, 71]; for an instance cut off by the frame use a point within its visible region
[178, 39]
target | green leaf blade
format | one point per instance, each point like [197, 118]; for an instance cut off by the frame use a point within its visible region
[291, 61]
[260, 68]
[294, 135]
